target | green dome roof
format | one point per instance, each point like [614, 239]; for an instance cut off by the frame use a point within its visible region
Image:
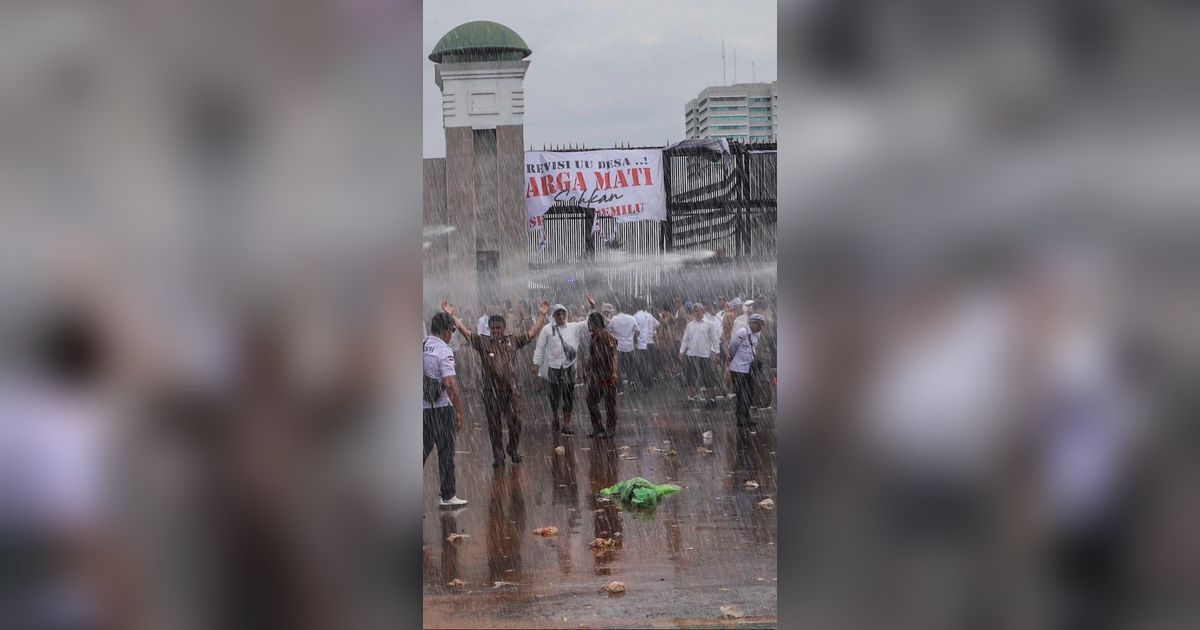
[480, 41]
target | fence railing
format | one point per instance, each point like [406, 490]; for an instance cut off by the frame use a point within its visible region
[720, 202]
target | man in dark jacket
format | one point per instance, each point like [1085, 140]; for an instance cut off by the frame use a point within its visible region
[601, 371]
[498, 357]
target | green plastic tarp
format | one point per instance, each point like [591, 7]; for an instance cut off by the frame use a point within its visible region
[640, 492]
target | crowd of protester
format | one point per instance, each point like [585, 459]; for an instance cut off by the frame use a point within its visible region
[684, 349]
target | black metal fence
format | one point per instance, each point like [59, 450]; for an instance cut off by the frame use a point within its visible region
[725, 203]
[719, 202]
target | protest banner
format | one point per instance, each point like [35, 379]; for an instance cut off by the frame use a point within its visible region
[625, 184]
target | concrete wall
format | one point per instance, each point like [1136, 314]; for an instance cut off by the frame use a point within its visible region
[436, 255]
[460, 206]
[510, 198]
[487, 220]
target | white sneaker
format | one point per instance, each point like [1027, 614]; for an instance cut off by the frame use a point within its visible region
[452, 502]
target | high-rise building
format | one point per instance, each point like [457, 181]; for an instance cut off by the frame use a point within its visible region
[745, 112]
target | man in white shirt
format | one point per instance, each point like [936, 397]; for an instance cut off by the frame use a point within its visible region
[481, 325]
[696, 351]
[440, 421]
[625, 328]
[715, 319]
[743, 351]
[555, 355]
[59, 441]
[647, 364]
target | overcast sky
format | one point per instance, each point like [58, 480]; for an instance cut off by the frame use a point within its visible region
[605, 71]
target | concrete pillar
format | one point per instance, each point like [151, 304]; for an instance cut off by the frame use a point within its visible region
[460, 212]
[511, 232]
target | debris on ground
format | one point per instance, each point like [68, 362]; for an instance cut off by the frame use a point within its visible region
[499, 583]
[547, 531]
[639, 492]
[731, 612]
[560, 450]
[602, 543]
[704, 451]
[707, 437]
[752, 484]
[613, 588]
[457, 537]
[767, 504]
[627, 457]
[456, 583]
[671, 453]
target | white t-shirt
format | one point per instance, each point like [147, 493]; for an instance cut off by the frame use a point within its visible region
[938, 395]
[647, 326]
[718, 325]
[699, 339]
[548, 353]
[622, 327]
[54, 458]
[743, 347]
[1087, 435]
[438, 362]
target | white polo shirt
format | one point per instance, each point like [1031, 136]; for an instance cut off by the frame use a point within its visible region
[647, 326]
[622, 327]
[438, 362]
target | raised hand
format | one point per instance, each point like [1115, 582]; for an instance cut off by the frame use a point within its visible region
[449, 308]
[590, 299]
[544, 307]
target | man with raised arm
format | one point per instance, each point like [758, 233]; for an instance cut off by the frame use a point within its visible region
[498, 357]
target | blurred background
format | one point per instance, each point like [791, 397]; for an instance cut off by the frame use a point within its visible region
[208, 213]
[991, 297]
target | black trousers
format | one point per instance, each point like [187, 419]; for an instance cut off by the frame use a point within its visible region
[1089, 571]
[647, 364]
[628, 366]
[562, 390]
[498, 406]
[743, 387]
[596, 391]
[438, 425]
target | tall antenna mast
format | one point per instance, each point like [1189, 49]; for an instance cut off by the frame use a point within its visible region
[723, 81]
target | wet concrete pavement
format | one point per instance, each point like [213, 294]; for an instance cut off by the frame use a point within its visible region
[707, 546]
